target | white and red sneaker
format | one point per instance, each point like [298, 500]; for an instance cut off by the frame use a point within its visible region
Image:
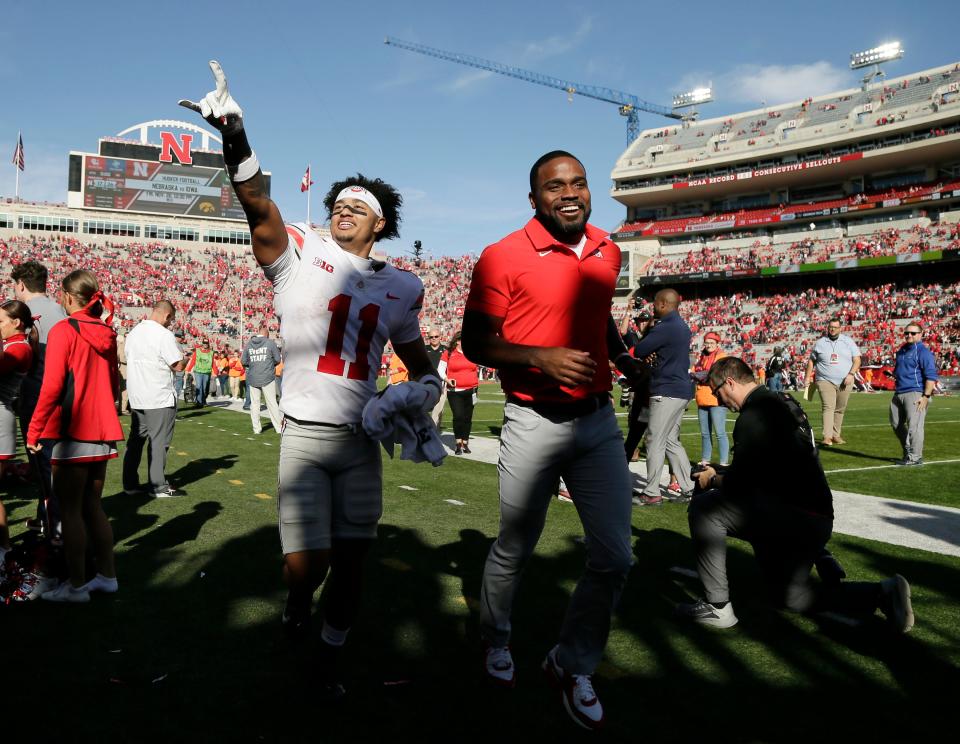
[579, 698]
[499, 667]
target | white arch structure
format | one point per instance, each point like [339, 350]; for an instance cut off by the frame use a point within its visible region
[144, 127]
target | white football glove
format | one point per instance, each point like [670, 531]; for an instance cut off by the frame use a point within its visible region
[218, 106]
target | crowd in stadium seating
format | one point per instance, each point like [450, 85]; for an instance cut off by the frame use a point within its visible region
[882, 242]
[205, 283]
[874, 318]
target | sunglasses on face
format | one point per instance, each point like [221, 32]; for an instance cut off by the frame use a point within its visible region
[911, 333]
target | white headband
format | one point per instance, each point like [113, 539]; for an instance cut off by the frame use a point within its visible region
[358, 192]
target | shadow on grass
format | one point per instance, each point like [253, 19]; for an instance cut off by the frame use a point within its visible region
[190, 648]
[189, 413]
[181, 529]
[940, 523]
[835, 449]
[196, 470]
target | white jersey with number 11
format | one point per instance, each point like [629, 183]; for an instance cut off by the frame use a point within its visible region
[336, 313]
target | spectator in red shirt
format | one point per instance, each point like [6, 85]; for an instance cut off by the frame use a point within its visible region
[78, 408]
[16, 356]
[462, 382]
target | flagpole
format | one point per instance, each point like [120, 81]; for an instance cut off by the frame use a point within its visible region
[308, 195]
[16, 167]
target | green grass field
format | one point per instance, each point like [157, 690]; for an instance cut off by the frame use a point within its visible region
[190, 648]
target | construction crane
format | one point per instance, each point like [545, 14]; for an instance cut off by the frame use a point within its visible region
[630, 105]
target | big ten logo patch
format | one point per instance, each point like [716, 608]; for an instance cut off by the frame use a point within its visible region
[323, 265]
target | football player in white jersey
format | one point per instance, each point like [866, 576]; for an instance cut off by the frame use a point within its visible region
[337, 309]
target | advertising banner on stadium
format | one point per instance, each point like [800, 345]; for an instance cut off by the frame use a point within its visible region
[159, 188]
[771, 171]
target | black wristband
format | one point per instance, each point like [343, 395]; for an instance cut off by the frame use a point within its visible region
[236, 149]
[926, 396]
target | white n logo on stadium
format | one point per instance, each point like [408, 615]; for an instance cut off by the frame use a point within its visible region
[170, 146]
[140, 169]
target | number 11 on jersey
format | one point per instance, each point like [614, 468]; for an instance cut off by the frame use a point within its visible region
[332, 361]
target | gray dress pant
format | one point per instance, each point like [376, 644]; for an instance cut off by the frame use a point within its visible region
[155, 425]
[907, 422]
[535, 451]
[663, 442]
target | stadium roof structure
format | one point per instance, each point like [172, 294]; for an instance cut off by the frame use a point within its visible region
[144, 128]
[851, 132]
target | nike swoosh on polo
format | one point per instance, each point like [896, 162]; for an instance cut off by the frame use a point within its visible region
[391, 297]
[544, 253]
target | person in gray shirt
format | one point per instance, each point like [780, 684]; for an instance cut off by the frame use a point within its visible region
[30, 286]
[260, 358]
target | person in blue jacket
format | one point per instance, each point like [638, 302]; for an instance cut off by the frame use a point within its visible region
[671, 389]
[915, 374]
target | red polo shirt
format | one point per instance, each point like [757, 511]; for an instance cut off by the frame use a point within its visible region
[548, 297]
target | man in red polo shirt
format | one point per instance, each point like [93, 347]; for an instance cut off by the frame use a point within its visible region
[539, 311]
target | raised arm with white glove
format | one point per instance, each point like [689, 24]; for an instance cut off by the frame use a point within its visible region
[221, 111]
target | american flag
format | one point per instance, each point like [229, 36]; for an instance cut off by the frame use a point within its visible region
[305, 182]
[18, 153]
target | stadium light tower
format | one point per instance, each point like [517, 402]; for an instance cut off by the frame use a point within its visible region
[874, 58]
[691, 99]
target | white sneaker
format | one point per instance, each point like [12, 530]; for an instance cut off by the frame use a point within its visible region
[66, 592]
[101, 583]
[579, 698]
[704, 613]
[896, 604]
[498, 664]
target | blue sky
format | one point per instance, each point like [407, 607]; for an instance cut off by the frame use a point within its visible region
[318, 85]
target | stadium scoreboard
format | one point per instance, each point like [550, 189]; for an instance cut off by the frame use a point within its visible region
[160, 188]
[165, 179]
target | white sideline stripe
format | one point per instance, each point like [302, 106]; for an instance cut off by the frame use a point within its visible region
[884, 467]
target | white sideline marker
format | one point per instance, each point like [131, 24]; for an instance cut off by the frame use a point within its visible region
[409, 488]
[455, 502]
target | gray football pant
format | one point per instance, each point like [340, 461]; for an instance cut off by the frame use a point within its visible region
[534, 452]
[155, 425]
[907, 423]
[785, 544]
[273, 409]
[663, 440]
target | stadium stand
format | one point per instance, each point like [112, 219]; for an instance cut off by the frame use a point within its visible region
[909, 97]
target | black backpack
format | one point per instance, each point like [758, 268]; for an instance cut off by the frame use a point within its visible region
[804, 429]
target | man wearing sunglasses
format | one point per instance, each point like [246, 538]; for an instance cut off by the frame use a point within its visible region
[915, 374]
[435, 350]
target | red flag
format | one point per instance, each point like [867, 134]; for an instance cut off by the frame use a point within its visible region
[305, 182]
[18, 154]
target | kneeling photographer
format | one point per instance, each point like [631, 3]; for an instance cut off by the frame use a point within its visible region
[775, 496]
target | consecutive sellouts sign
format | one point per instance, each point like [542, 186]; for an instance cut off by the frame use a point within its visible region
[771, 171]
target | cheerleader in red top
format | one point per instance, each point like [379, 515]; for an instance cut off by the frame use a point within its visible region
[462, 381]
[78, 408]
[16, 356]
